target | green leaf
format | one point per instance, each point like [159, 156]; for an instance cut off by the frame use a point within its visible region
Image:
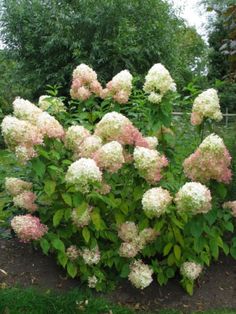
[229, 226]
[120, 218]
[177, 252]
[144, 223]
[125, 271]
[67, 213]
[97, 220]
[196, 228]
[161, 278]
[67, 198]
[178, 236]
[170, 273]
[78, 199]
[211, 216]
[57, 217]
[49, 187]
[214, 248]
[81, 209]
[167, 249]
[205, 258]
[38, 166]
[226, 248]
[221, 190]
[62, 258]
[45, 245]
[159, 224]
[171, 260]
[58, 245]
[86, 234]
[233, 252]
[189, 287]
[71, 269]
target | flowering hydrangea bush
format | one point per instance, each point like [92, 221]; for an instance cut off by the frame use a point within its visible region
[157, 83]
[104, 198]
[206, 105]
[210, 161]
[193, 197]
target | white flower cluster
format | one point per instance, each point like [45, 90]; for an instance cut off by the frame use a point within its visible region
[191, 270]
[81, 220]
[25, 110]
[155, 202]
[89, 146]
[122, 81]
[119, 88]
[152, 141]
[149, 163]
[15, 186]
[91, 257]
[72, 253]
[83, 173]
[92, 281]
[193, 197]
[84, 73]
[26, 200]
[19, 132]
[231, 205]
[51, 104]
[212, 143]
[134, 241]
[28, 128]
[47, 124]
[128, 249]
[158, 82]
[206, 105]
[128, 231]
[74, 136]
[84, 83]
[110, 156]
[140, 274]
[111, 126]
[145, 158]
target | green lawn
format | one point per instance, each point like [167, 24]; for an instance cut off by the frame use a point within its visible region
[29, 301]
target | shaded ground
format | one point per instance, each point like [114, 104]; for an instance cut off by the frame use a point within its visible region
[26, 267]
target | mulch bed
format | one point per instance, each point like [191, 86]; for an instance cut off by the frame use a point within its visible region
[21, 265]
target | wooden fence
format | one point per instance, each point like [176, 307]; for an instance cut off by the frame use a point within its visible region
[226, 115]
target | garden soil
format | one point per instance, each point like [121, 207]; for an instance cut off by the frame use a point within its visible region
[23, 266]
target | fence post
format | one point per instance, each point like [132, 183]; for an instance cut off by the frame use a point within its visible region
[226, 117]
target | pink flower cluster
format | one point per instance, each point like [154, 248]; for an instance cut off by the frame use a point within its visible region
[149, 163]
[28, 128]
[23, 197]
[26, 200]
[231, 205]
[119, 88]
[134, 241]
[116, 127]
[110, 156]
[84, 83]
[28, 227]
[211, 160]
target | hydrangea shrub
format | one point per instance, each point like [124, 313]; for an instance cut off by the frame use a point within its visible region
[101, 196]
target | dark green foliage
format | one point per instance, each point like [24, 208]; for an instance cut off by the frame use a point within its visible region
[49, 38]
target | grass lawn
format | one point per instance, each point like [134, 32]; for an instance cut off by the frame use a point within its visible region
[29, 301]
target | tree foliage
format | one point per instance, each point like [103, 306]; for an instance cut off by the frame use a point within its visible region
[222, 53]
[48, 38]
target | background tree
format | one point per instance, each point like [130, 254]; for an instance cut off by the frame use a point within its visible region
[222, 52]
[49, 38]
